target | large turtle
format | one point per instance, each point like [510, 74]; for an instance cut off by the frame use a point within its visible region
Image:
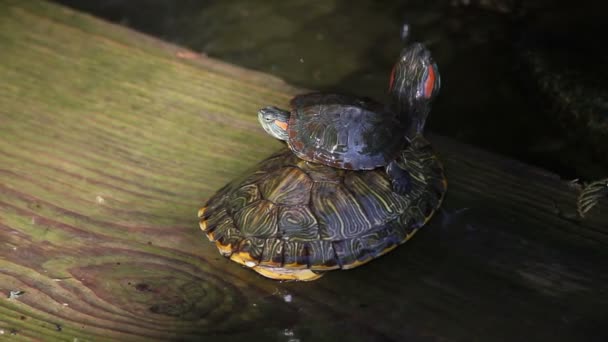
[292, 219]
[356, 133]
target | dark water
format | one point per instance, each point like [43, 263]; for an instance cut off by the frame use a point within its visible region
[489, 98]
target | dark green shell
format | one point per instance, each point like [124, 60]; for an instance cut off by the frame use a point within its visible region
[343, 131]
[290, 213]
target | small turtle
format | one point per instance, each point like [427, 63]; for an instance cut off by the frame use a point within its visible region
[291, 219]
[357, 133]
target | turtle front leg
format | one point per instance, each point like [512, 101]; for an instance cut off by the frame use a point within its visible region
[401, 180]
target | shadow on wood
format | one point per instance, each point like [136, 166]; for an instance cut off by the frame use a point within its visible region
[109, 143]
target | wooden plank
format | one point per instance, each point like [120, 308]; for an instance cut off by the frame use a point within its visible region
[111, 140]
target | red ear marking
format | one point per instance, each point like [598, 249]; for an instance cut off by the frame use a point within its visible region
[392, 80]
[281, 124]
[429, 83]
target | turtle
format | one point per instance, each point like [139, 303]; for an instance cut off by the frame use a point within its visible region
[358, 133]
[291, 219]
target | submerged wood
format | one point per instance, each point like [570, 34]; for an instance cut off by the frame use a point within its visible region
[109, 143]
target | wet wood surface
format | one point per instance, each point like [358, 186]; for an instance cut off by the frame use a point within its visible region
[111, 140]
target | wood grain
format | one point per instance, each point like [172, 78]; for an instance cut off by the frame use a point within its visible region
[111, 140]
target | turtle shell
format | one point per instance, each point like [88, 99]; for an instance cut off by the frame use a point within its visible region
[344, 131]
[292, 219]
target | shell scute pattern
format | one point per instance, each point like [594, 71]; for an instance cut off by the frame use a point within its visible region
[296, 254]
[244, 196]
[300, 215]
[344, 131]
[352, 252]
[214, 218]
[298, 223]
[257, 219]
[319, 172]
[227, 238]
[322, 255]
[272, 254]
[249, 251]
[340, 215]
[287, 186]
[374, 193]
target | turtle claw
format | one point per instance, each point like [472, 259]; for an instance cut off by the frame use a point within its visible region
[401, 180]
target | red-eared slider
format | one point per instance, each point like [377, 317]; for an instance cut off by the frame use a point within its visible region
[356, 133]
[293, 219]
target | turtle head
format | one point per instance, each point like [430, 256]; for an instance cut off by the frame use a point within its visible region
[275, 122]
[414, 83]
